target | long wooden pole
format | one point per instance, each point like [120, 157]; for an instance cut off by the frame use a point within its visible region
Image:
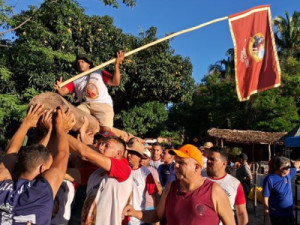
[141, 48]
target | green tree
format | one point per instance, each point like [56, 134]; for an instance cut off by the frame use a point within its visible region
[287, 34]
[46, 47]
[225, 66]
[115, 3]
[145, 119]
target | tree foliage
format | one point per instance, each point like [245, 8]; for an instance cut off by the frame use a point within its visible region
[287, 34]
[47, 45]
[215, 103]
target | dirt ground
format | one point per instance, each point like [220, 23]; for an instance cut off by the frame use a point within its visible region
[256, 216]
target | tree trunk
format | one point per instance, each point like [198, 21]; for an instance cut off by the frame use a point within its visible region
[52, 100]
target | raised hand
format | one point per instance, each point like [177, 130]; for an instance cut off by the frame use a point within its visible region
[58, 82]
[86, 137]
[46, 120]
[68, 119]
[120, 57]
[33, 115]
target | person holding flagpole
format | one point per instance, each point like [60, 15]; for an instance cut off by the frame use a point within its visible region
[92, 92]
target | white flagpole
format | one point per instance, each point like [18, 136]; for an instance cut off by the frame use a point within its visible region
[142, 48]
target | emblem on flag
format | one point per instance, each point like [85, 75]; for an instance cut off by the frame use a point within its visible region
[255, 56]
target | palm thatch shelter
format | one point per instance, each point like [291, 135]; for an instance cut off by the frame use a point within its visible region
[253, 142]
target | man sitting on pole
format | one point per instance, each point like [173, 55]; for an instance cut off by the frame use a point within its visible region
[92, 92]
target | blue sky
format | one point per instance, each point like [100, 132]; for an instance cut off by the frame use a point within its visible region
[204, 46]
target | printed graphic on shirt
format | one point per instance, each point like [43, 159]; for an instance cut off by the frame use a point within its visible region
[92, 91]
[7, 216]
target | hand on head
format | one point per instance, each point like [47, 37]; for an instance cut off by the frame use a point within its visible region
[64, 120]
[46, 120]
[84, 136]
[33, 115]
[69, 120]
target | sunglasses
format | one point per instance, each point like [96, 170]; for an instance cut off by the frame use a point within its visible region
[286, 168]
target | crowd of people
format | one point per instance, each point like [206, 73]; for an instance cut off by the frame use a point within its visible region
[99, 178]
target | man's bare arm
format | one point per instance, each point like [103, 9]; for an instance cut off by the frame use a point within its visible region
[33, 115]
[61, 91]
[149, 216]
[57, 171]
[241, 214]
[4, 173]
[46, 125]
[88, 154]
[222, 205]
[73, 175]
[116, 79]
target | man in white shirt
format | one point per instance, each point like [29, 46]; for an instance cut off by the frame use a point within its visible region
[143, 180]
[216, 165]
[92, 92]
[110, 186]
[157, 150]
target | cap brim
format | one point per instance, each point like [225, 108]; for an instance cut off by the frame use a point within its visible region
[179, 153]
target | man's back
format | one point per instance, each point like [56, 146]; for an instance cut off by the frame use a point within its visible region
[26, 201]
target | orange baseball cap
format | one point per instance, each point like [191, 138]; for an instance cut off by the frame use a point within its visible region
[189, 151]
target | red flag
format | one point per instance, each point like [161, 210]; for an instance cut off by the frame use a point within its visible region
[255, 56]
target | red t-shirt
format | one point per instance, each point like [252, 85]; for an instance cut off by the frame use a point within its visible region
[119, 169]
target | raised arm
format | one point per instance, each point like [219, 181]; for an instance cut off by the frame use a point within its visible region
[57, 171]
[33, 115]
[296, 165]
[46, 125]
[116, 79]
[88, 154]
[61, 91]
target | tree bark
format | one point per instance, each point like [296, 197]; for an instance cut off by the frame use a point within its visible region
[52, 100]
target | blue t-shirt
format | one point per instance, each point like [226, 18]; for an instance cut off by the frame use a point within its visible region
[166, 173]
[279, 191]
[26, 201]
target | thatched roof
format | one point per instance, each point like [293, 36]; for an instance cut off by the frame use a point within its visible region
[246, 136]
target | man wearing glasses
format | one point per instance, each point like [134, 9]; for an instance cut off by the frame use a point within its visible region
[277, 191]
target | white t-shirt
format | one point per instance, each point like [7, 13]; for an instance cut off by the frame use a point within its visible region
[95, 91]
[141, 177]
[233, 188]
[155, 163]
[106, 198]
[62, 204]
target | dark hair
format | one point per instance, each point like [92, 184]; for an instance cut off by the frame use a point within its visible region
[279, 161]
[31, 156]
[158, 144]
[117, 140]
[222, 151]
[243, 156]
[82, 57]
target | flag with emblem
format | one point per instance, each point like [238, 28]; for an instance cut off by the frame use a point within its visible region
[255, 56]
